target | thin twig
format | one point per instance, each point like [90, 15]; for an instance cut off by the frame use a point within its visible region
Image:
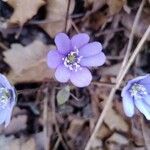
[56, 144]
[19, 32]
[129, 47]
[55, 121]
[66, 20]
[118, 83]
[45, 118]
[75, 27]
[27, 90]
[74, 16]
[103, 84]
[3, 46]
[73, 96]
[108, 32]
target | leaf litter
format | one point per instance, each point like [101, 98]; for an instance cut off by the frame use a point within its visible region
[22, 59]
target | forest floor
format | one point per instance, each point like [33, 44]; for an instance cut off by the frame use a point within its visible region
[51, 115]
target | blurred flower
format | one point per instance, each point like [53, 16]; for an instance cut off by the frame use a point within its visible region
[73, 57]
[7, 100]
[137, 92]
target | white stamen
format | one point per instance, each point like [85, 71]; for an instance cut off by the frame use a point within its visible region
[72, 60]
[4, 97]
[138, 90]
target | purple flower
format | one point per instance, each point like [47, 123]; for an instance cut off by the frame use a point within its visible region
[137, 92]
[72, 58]
[7, 100]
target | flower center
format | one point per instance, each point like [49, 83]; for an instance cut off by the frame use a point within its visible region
[4, 97]
[138, 90]
[72, 60]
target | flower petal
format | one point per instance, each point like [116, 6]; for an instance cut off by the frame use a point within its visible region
[3, 114]
[146, 99]
[63, 43]
[81, 78]
[4, 81]
[146, 82]
[79, 40]
[90, 49]
[9, 113]
[143, 108]
[62, 73]
[96, 60]
[54, 59]
[128, 105]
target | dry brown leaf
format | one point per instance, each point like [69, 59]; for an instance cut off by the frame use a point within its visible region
[95, 4]
[146, 133]
[115, 6]
[136, 131]
[128, 19]
[39, 140]
[76, 127]
[96, 20]
[24, 10]
[28, 63]
[56, 14]
[118, 138]
[12, 143]
[97, 144]
[115, 121]
[17, 124]
[112, 70]
[103, 132]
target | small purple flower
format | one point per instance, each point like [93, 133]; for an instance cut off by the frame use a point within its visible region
[7, 100]
[72, 58]
[137, 92]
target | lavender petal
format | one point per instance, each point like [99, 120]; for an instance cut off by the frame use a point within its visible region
[96, 60]
[63, 43]
[81, 78]
[79, 40]
[143, 108]
[90, 49]
[62, 73]
[54, 59]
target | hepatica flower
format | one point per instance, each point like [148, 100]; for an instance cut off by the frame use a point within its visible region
[137, 93]
[7, 100]
[72, 58]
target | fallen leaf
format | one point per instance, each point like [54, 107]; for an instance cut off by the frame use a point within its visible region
[115, 121]
[103, 132]
[112, 70]
[24, 10]
[146, 133]
[96, 20]
[29, 62]
[97, 144]
[113, 146]
[115, 6]
[39, 140]
[136, 131]
[17, 124]
[75, 127]
[128, 19]
[118, 138]
[56, 14]
[7, 143]
[94, 4]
